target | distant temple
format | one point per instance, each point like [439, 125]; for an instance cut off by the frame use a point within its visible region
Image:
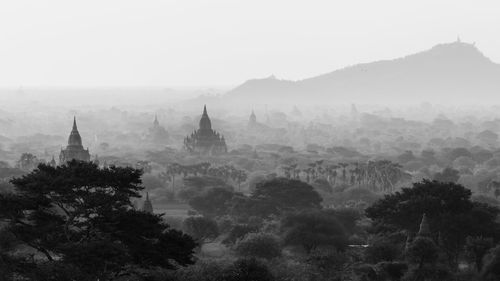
[252, 121]
[75, 149]
[157, 133]
[147, 206]
[52, 162]
[205, 140]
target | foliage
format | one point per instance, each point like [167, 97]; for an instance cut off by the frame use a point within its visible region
[392, 271]
[213, 202]
[27, 162]
[238, 231]
[491, 268]
[79, 215]
[329, 262]
[447, 175]
[249, 269]
[201, 228]
[450, 211]
[259, 245]
[312, 229]
[197, 185]
[428, 273]
[422, 251]
[203, 271]
[476, 248]
[382, 250]
[281, 195]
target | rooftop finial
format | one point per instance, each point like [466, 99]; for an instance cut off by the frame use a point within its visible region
[205, 110]
[74, 123]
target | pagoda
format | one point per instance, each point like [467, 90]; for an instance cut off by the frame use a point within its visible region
[74, 150]
[205, 140]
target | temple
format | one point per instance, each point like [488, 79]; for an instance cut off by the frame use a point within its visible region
[147, 206]
[205, 140]
[74, 150]
[157, 133]
[252, 121]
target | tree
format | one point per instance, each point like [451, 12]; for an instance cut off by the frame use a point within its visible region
[313, 229]
[78, 215]
[491, 268]
[281, 194]
[451, 214]
[201, 228]
[422, 251]
[248, 269]
[447, 175]
[391, 270]
[197, 185]
[329, 262]
[382, 250]
[27, 162]
[213, 202]
[237, 232]
[476, 248]
[259, 245]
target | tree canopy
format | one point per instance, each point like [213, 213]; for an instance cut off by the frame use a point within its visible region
[281, 194]
[451, 213]
[80, 216]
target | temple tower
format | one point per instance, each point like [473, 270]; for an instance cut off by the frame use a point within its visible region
[74, 150]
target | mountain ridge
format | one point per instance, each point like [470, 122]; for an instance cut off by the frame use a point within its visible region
[442, 72]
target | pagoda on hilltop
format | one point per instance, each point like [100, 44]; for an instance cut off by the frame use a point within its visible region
[205, 140]
[74, 150]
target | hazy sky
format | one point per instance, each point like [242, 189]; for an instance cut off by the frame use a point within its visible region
[213, 42]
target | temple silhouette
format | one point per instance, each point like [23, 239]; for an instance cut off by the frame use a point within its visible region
[205, 140]
[74, 150]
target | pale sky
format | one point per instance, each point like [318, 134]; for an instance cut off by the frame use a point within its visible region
[95, 43]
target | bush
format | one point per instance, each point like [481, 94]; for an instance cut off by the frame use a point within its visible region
[260, 245]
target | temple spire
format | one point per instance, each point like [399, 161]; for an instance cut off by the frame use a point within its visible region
[205, 110]
[156, 122]
[74, 124]
[424, 229]
[147, 205]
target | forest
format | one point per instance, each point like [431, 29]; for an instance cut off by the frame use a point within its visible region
[366, 197]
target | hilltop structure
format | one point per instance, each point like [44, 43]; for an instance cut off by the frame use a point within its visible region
[74, 150]
[205, 140]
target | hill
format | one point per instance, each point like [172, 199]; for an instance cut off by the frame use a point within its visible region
[448, 72]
